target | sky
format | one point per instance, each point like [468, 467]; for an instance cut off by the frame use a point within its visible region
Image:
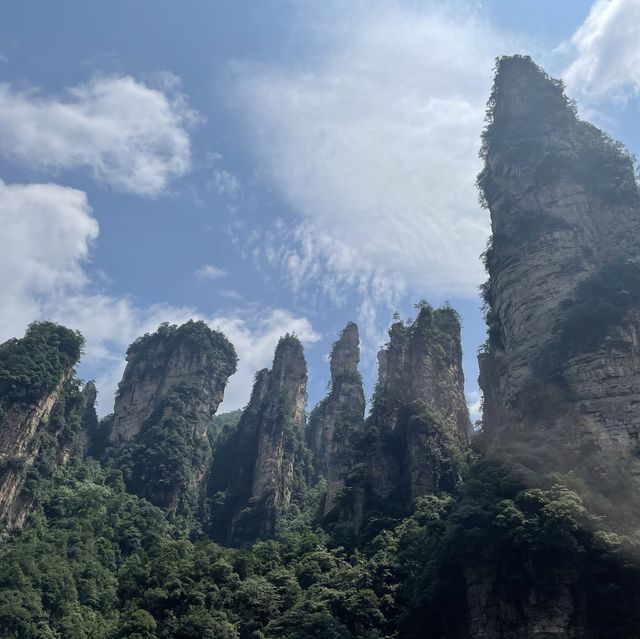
[268, 166]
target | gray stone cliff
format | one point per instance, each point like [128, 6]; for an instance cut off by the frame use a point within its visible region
[337, 417]
[561, 369]
[257, 470]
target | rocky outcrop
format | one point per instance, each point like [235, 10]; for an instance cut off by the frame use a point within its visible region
[415, 441]
[191, 355]
[259, 469]
[560, 371]
[170, 391]
[564, 270]
[35, 373]
[335, 420]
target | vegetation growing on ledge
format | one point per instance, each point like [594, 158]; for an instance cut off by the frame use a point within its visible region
[163, 462]
[599, 305]
[533, 129]
[194, 336]
[31, 367]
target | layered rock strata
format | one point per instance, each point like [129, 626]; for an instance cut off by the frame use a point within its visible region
[561, 369]
[415, 441]
[191, 355]
[171, 388]
[564, 280]
[35, 374]
[259, 468]
[335, 420]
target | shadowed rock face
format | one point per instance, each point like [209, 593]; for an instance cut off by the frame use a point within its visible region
[415, 442]
[336, 418]
[171, 388]
[260, 466]
[563, 296]
[561, 369]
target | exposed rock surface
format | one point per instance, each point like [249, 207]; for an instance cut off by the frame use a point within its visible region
[170, 391]
[561, 369]
[336, 418]
[415, 441]
[34, 374]
[258, 469]
[191, 355]
[564, 308]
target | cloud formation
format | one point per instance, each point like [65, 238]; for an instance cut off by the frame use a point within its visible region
[255, 340]
[131, 137]
[607, 47]
[45, 244]
[377, 140]
[47, 231]
[210, 272]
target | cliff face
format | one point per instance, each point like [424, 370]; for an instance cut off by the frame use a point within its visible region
[415, 442]
[170, 391]
[258, 469]
[563, 294]
[190, 356]
[561, 369]
[336, 418]
[35, 374]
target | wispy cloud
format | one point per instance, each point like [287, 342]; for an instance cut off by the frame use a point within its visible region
[376, 141]
[210, 272]
[224, 183]
[131, 137]
[607, 51]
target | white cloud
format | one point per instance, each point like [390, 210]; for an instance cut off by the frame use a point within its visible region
[210, 272]
[377, 141]
[474, 403]
[132, 137]
[607, 47]
[47, 232]
[317, 265]
[255, 342]
[224, 183]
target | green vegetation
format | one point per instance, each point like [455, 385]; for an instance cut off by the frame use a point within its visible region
[533, 132]
[152, 351]
[162, 463]
[97, 562]
[599, 304]
[31, 367]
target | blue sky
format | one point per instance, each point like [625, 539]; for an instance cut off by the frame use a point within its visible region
[267, 166]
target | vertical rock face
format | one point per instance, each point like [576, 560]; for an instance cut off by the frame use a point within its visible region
[170, 391]
[561, 369]
[336, 418]
[190, 355]
[415, 441]
[35, 373]
[420, 399]
[257, 471]
[564, 271]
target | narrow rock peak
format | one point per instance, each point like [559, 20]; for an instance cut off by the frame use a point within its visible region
[345, 354]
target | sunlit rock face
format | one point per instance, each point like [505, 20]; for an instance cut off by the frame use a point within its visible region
[36, 380]
[564, 271]
[171, 388]
[191, 355]
[259, 471]
[415, 441]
